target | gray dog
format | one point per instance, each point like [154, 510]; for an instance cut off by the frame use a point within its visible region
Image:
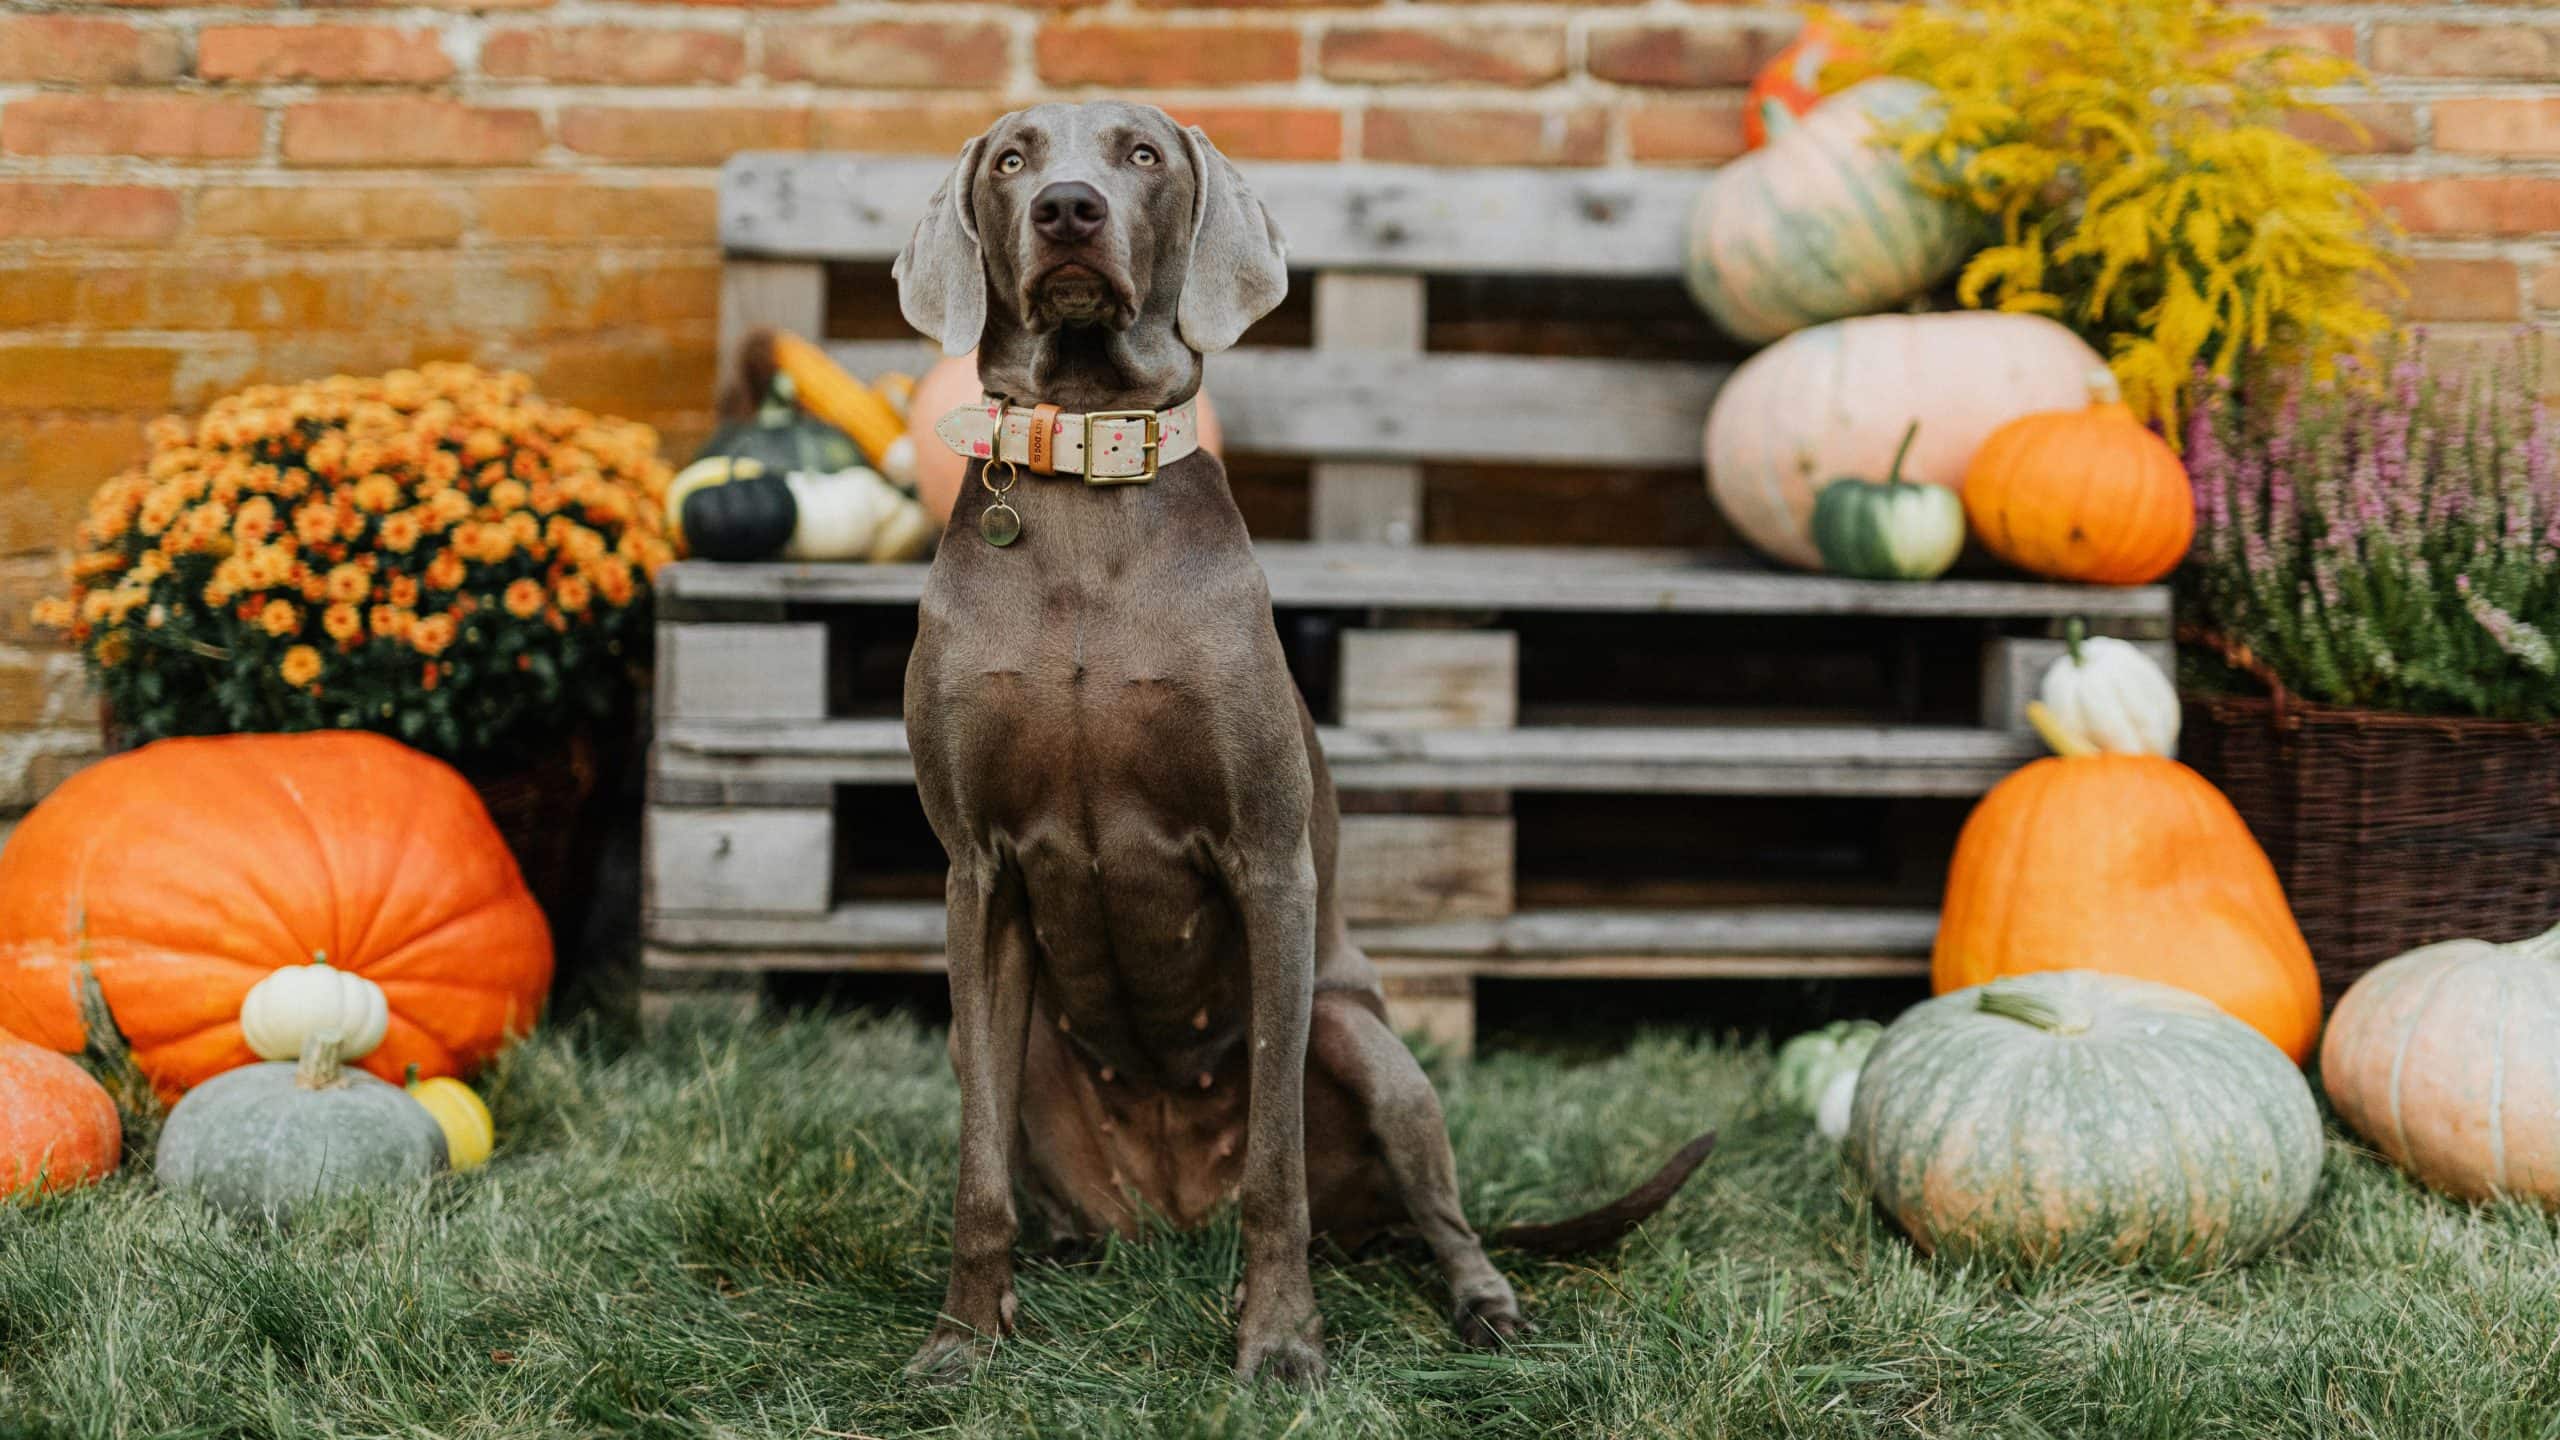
[1155, 1005]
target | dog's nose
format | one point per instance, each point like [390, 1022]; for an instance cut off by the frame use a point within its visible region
[1068, 211]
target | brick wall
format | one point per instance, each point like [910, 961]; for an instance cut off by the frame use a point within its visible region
[196, 197]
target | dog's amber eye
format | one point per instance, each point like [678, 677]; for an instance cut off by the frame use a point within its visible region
[1143, 155]
[1009, 163]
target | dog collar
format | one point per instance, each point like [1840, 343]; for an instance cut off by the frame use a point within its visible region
[1106, 447]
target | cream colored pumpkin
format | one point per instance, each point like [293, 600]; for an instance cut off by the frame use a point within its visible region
[2110, 698]
[301, 1002]
[1836, 399]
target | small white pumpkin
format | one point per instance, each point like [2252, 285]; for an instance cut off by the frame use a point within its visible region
[2107, 697]
[855, 515]
[298, 1002]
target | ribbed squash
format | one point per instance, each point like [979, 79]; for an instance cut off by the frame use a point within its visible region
[1888, 529]
[1823, 222]
[2086, 494]
[1836, 399]
[57, 1125]
[2076, 1115]
[2448, 1060]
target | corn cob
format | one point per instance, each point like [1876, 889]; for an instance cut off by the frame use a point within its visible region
[824, 390]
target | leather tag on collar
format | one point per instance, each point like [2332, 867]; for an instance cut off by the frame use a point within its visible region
[1044, 440]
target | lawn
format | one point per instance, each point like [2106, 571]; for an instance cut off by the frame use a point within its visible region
[740, 1231]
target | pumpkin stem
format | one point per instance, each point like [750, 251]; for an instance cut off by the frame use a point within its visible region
[1893, 475]
[2074, 630]
[318, 1069]
[2103, 389]
[2064, 743]
[2010, 1003]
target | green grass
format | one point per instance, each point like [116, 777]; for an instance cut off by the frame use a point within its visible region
[741, 1232]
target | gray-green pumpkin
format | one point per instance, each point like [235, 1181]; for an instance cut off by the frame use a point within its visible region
[262, 1141]
[1889, 529]
[2074, 1113]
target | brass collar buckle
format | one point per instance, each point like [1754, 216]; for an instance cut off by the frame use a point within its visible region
[1153, 443]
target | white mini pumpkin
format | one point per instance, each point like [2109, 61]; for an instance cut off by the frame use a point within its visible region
[300, 1002]
[2111, 698]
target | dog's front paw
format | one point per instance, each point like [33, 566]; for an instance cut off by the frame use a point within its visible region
[1489, 1322]
[1293, 1360]
[950, 1355]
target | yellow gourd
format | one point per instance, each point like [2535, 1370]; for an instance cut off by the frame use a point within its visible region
[469, 1132]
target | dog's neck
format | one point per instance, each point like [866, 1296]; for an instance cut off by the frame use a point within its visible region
[1086, 367]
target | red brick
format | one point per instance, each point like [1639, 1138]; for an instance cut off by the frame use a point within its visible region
[330, 213]
[35, 210]
[87, 295]
[55, 463]
[365, 54]
[624, 377]
[1252, 132]
[892, 54]
[2472, 204]
[1491, 54]
[166, 127]
[1482, 135]
[2499, 127]
[1702, 131]
[2338, 40]
[1248, 4]
[616, 55]
[408, 130]
[2443, 289]
[463, 5]
[1170, 57]
[704, 136]
[83, 377]
[561, 210]
[2546, 286]
[2492, 52]
[2377, 128]
[86, 51]
[923, 126]
[1683, 56]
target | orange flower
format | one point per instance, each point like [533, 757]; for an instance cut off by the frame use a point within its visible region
[404, 591]
[445, 571]
[301, 666]
[377, 493]
[349, 584]
[441, 468]
[508, 496]
[432, 634]
[524, 599]
[445, 507]
[316, 523]
[113, 649]
[255, 522]
[427, 676]
[573, 594]
[399, 533]
[392, 621]
[613, 581]
[344, 623]
[492, 544]
[279, 618]
[53, 614]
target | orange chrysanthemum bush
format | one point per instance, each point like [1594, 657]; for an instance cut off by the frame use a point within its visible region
[437, 554]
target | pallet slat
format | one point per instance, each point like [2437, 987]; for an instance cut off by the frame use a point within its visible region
[1402, 217]
[1499, 577]
[1737, 759]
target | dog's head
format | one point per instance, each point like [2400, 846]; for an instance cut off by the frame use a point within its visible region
[1106, 218]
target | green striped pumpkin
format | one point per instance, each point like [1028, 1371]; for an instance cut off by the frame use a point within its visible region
[2070, 1113]
[1823, 221]
[1888, 529]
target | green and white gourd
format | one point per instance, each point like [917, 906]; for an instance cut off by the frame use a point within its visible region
[1888, 529]
[2070, 1113]
[1817, 1072]
[263, 1141]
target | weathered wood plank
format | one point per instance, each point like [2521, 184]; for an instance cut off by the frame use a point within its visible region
[1415, 868]
[777, 862]
[2013, 669]
[741, 672]
[1429, 679]
[1366, 500]
[1703, 760]
[1373, 406]
[1496, 577]
[1456, 221]
[785, 294]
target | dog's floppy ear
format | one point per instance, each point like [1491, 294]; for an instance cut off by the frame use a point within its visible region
[1239, 265]
[942, 275]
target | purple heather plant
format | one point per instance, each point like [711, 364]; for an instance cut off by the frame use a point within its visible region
[2387, 537]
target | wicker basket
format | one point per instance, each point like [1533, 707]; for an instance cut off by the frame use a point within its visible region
[2389, 831]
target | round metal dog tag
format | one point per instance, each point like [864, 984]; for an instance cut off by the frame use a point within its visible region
[1001, 524]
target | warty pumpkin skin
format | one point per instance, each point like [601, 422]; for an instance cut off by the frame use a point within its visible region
[55, 1121]
[185, 872]
[2134, 865]
[2087, 494]
[2068, 1113]
[2447, 1059]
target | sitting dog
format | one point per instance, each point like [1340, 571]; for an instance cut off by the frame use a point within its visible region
[1155, 1004]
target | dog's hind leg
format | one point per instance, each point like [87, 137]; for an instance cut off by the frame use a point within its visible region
[1353, 1046]
[989, 949]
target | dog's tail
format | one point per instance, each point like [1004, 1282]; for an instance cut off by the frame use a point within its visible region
[1606, 1226]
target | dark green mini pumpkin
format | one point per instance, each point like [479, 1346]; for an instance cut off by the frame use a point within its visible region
[262, 1141]
[1889, 529]
[730, 507]
[784, 438]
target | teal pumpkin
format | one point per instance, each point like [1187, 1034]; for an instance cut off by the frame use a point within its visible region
[2074, 1113]
[262, 1141]
[1824, 221]
[1888, 529]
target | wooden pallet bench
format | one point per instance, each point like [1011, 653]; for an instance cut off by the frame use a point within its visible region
[1596, 761]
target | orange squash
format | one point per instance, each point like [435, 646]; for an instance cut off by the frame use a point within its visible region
[55, 1122]
[185, 872]
[2086, 494]
[1793, 77]
[2131, 864]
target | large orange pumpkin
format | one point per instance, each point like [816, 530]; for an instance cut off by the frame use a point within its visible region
[2131, 864]
[184, 872]
[55, 1121]
[2086, 494]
